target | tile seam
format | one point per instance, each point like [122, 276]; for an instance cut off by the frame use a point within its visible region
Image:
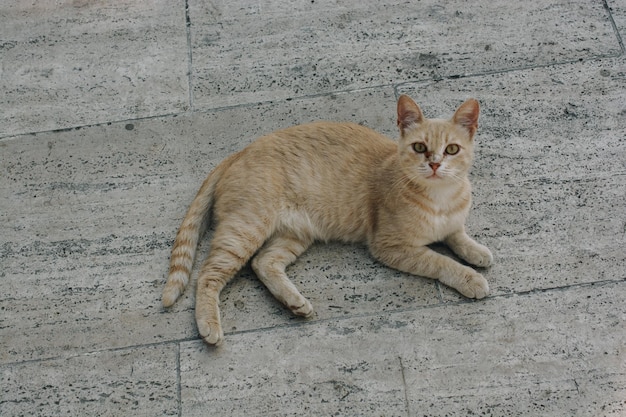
[189, 55]
[405, 388]
[178, 382]
[177, 342]
[394, 86]
[618, 35]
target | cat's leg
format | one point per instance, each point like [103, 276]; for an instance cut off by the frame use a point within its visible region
[425, 262]
[469, 250]
[269, 265]
[232, 246]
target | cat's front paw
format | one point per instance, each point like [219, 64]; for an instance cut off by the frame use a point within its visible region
[479, 255]
[473, 285]
[303, 310]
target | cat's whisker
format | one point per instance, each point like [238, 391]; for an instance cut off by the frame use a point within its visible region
[458, 178]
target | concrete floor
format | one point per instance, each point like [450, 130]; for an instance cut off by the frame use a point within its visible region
[112, 113]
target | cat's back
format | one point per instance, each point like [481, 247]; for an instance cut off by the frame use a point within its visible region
[327, 139]
[321, 171]
[315, 149]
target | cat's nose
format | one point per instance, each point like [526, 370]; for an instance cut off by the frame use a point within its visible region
[434, 165]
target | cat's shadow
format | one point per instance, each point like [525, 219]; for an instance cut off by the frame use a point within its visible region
[340, 280]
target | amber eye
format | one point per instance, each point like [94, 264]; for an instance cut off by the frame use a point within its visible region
[419, 147]
[452, 149]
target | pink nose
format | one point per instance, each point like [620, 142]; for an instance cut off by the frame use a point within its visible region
[434, 165]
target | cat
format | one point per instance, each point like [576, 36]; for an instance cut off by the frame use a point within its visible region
[335, 181]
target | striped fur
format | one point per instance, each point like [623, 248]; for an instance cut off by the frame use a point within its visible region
[184, 250]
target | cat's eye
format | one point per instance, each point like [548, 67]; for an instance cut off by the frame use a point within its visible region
[419, 147]
[452, 149]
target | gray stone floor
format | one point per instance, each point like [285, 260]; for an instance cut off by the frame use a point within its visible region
[112, 112]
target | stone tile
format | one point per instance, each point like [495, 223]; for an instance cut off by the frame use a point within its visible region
[549, 234]
[551, 353]
[85, 241]
[558, 353]
[549, 173]
[99, 298]
[247, 52]
[68, 63]
[325, 369]
[138, 382]
[88, 216]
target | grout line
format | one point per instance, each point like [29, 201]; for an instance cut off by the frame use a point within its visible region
[406, 393]
[397, 85]
[302, 322]
[178, 383]
[101, 351]
[614, 25]
[426, 307]
[394, 86]
[293, 98]
[189, 56]
[453, 77]
[11, 137]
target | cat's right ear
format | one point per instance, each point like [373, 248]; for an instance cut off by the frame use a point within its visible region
[409, 113]
[467, 115]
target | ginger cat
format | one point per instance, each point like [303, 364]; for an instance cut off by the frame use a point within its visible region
[335, 181]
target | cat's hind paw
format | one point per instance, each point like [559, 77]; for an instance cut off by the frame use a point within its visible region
[211, 332]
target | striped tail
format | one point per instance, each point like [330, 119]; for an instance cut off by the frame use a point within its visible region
[186, 242]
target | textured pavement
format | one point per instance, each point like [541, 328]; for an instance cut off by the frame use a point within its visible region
[113, 112]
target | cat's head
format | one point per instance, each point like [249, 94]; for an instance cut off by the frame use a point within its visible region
[435, 151]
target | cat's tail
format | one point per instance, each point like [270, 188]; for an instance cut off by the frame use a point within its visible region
[194, 224]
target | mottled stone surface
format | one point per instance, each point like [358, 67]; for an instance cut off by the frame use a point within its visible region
[76, 62]
[557, 353]
[138, 381]
[618, 13]
[247, 52]
[112, 113]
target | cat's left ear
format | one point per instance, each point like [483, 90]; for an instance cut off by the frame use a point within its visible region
[467, 115]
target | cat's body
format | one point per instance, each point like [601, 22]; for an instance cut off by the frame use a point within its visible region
[334, 181]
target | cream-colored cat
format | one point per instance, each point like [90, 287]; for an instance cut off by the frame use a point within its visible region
[335, 181]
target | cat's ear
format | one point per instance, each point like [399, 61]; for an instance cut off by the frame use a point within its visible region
[409, 113]
[467, 115]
